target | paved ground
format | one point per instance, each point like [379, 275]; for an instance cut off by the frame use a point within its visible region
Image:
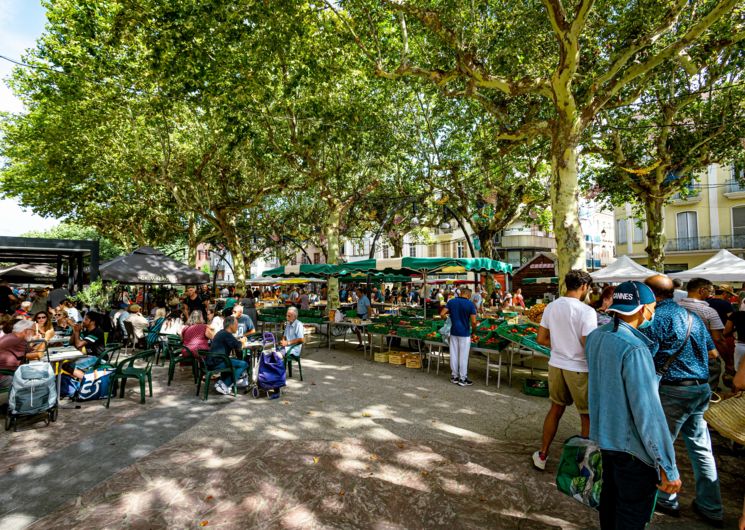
[356, 445]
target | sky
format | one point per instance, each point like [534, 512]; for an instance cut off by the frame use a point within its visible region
[21, 23]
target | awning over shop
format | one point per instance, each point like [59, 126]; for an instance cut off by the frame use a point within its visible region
[410, 266]
[554, 280]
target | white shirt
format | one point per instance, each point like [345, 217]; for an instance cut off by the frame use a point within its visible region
[568, 320]
[139, 323]
[679, 294]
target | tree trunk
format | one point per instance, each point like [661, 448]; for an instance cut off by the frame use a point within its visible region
[233, 243]
[486, 240]
[565, 204]
[655, 232]
[398, 246]
[192, 242]
[332, 254]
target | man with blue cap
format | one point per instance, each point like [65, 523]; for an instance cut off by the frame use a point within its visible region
[626, 417]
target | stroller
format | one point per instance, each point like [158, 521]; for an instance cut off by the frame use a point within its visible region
[33, 392]
[270, 373]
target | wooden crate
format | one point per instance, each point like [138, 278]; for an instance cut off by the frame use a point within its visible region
[397, 358]
[413, 361]
[381, 357]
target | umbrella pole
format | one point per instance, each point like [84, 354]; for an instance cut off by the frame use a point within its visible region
[424, 292]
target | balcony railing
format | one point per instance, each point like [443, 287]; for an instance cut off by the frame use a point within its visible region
[734, 186]
[705, 243]
[693, 194]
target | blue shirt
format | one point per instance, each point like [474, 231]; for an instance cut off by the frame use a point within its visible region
[668, 331]
[294, 331]
[623, 393]
[460, 310]
[363, 306]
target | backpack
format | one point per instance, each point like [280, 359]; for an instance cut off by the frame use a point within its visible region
[33, 390]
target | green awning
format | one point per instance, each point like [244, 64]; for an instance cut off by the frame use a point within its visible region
[376, 277]
[318, 270]
[552, 280]
[429, 265]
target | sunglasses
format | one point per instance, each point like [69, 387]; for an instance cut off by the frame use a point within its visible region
[41, 318]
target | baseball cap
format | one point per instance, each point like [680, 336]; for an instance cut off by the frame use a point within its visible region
[629, 297]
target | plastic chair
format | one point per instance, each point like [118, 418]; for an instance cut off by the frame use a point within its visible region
[126, 369]
[130, 339]
[291, 356]
[6, 371]
[110, 353]
[206, 373]
[178, 353]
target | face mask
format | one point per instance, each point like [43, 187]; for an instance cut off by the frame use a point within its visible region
[646, 323]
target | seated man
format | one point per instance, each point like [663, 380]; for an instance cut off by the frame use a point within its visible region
[294, 333]
[13, 349]
[245, 324]
[225, 342]
[87, 336]
[139, 322]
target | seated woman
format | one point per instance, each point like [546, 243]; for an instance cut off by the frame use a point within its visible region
[196, 335]
[44, 326]
[173, 324]
[139, 322]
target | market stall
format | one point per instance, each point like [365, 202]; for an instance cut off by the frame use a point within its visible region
[721, 267]
[622, 270]
[538, 277]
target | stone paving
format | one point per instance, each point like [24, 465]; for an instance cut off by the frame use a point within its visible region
[356, 445]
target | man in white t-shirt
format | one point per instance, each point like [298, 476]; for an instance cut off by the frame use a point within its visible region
[565, 325]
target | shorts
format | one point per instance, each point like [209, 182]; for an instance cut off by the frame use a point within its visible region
[566, 387]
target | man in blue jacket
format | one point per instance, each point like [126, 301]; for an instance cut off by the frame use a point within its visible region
[626, 416]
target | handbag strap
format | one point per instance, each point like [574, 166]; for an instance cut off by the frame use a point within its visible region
[670, 360]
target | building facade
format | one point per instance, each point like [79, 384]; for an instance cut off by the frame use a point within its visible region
[710, 217]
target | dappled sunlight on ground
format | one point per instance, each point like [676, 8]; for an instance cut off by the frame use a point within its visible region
[379, 446]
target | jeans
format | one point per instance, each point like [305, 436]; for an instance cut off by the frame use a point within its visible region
[628, 495]
[238, 365]
[459, 349]
[684, 409]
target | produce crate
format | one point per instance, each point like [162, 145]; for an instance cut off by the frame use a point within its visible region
[380, 329]
[533, 345]
[351, 314]
[381, 357]
[491, 341]
[413, 361]
[488, 323]
[397, 358]
[505, 330]
[433, 336]
[535, 387]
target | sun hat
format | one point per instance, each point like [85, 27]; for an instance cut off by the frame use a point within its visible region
[629, 297]
[134, 308]
[726, 288]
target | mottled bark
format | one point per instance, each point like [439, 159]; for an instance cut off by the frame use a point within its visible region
[564, 205]
[332, 254]
[655, 249]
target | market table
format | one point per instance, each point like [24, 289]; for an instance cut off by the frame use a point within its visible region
[487, 352]
[346, 325]
[523, 352]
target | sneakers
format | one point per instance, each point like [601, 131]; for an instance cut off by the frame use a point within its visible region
[465, 382]
[671, 508]
[242, 382]
[222, 388]
[454, 380]
[539, 460]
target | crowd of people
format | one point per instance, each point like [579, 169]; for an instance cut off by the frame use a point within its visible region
[642, 368]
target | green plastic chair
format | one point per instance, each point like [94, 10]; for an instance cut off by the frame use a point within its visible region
[110, 354]
[206, 374]
[292, 356]
[178, 353]
[6, 371]
[126, 369]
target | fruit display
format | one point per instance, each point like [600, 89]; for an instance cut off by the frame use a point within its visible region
[535, 313]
